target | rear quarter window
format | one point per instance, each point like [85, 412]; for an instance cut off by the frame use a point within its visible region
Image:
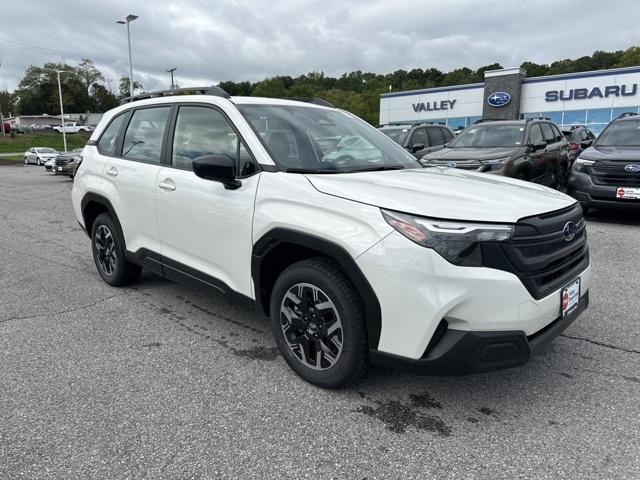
[109, 138]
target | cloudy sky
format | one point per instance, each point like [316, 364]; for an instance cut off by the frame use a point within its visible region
[213, 40]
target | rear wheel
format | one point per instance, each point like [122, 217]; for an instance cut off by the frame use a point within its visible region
[561, 178]
[109, 253]
[318, 323]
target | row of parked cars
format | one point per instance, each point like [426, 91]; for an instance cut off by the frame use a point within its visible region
[602, 172]
[66, 163]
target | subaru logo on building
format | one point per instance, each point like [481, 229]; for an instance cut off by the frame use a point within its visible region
[632, 168]
[498, 99]
[569, 231]
[452, 165]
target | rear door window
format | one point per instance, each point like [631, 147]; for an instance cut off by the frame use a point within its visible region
[109, 139]
[143, 139]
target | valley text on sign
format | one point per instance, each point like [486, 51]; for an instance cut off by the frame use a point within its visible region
[430, 106]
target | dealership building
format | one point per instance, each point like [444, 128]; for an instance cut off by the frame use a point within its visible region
[585, 98]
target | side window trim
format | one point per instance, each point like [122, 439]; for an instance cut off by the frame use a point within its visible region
[171, 135]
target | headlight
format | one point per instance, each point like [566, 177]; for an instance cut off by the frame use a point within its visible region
[457, 242]
[581, 164]
[494, 164]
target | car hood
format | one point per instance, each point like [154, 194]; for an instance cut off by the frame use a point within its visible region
[48, 155]
[452, 154]
[444, 193]
[625, 154]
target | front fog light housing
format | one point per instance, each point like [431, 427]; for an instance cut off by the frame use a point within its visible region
[458, 242]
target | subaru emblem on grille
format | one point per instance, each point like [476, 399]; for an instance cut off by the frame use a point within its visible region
[452, 165]
[569, 231]
[632, 168]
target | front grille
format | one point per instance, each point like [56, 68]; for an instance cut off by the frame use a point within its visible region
[613, 174]
[461, 164]
[539, 254]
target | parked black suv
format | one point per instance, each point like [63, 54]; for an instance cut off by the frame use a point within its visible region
[531, 149]
[419, 138]
[578, 137]
[607, 174]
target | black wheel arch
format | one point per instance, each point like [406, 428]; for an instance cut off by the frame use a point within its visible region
[281, 247]
[93, 205]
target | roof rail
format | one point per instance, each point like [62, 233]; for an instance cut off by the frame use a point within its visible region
[537, 118]
[211, 90]
[316, 101]
[626, 114]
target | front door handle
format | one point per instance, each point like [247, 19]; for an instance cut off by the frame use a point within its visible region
[112, 171]
[167, 184]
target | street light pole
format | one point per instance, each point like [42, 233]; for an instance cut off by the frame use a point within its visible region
[64, 134]
[171, 70]
[129, 18]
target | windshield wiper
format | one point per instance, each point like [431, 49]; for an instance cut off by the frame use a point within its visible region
[312, 170]
[376, 168]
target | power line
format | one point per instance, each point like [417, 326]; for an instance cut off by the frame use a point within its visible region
[52, 51]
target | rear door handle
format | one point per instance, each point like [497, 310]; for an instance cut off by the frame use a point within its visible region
[167, 184]
[113, 171]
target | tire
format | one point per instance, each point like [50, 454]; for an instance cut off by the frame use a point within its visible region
[26, 162]
[522, 176]
[39, 162]
[336, 331]
[107, 245]
[561, 178]
[585, 209]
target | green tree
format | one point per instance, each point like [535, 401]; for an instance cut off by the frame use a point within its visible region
[123, 86]
[7, 102]
[89, 74]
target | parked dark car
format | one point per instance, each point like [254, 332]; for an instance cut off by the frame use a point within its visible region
[607, 173]
[531, 149]
[68, 163]
[419, 138]
[577, 136]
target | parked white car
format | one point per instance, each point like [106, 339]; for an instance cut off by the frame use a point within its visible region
[72, 127]
[39, 155]
[437, 270]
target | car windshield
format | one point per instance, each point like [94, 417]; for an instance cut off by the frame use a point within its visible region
[620, 134]
[307, 139]
[397, 134]
[47, 150]
[487, 136]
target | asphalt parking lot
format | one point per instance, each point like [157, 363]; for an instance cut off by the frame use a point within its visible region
[159, 381]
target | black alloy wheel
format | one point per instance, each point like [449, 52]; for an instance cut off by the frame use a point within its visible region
[318, 323]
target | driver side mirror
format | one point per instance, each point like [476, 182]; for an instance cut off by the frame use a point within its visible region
[417, 146]
[537, 146]
[219, 168]
[586, 143]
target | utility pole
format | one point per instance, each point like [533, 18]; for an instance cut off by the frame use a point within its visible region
[171, 70]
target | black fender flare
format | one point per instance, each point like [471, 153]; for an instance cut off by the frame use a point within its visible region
[279, 236]
[96, 198]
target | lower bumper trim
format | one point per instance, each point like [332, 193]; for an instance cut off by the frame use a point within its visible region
[467, 352]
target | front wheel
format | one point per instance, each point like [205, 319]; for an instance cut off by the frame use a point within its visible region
[26, 162]
[318, 323]
[109, 253]
[39, 162]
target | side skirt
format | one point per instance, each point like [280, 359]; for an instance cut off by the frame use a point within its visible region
[184, 275]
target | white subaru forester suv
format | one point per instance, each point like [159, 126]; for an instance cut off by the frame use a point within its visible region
[355, 252]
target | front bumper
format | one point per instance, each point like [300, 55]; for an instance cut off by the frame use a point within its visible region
[582, 188]
[461, 352]
[418, 289]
